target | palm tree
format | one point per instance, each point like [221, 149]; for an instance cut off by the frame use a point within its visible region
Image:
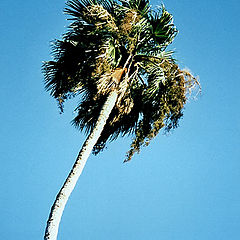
[114, 57]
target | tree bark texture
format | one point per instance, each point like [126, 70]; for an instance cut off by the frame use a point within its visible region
[67, 188]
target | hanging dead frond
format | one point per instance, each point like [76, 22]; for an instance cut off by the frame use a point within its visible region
[192, 84]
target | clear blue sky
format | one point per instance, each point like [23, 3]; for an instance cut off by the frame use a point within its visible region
[182, 187]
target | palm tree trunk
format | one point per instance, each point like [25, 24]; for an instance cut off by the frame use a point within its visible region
[67, 188]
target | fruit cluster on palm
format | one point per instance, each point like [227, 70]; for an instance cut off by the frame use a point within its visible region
[119, 47]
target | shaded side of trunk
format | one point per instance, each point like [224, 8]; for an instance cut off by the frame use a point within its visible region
[67, 188]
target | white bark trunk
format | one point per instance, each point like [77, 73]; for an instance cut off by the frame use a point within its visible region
[67, 188]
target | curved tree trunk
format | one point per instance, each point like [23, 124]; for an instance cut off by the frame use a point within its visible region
[67, 188]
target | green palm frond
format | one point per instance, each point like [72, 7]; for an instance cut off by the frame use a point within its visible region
[142, 6]
[69, 68]
[155, 56]
[112, 51]
[77, 9]
[162, 27]
[87, 112]
[109, 5]
[156, 78]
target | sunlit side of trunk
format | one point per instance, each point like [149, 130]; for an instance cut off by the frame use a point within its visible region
[67, 188]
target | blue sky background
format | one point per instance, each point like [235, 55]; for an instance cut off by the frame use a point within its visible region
[184, 186]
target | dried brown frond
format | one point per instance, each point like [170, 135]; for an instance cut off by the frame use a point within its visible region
[100, 17]
[117, 79]
[188, 81]
[123, 109]
[102, 65]
[109, 81]
[131, 18]
[192, 84]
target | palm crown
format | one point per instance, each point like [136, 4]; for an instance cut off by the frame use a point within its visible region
[119, 45]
